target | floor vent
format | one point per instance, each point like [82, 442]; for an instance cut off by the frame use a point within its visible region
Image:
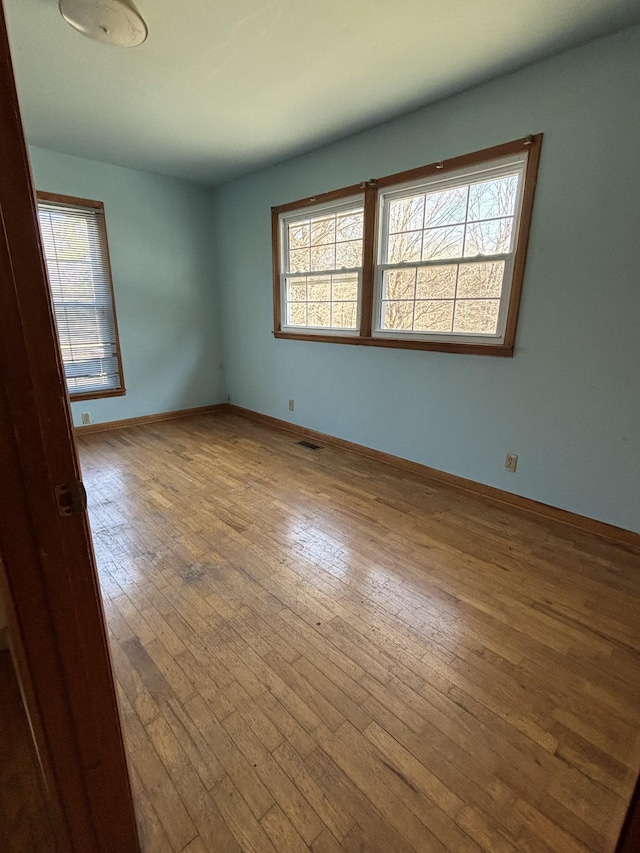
[309, 445]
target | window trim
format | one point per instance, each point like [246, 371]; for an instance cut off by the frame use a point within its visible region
[75, 202]
[367, 336]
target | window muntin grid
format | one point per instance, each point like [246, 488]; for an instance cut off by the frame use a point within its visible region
[325, 301]
[446, 249]
[322, 261]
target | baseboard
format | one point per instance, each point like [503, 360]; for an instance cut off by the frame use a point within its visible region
[216, 408]
[589, 525]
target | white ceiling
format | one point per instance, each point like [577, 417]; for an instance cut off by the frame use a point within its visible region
[222, 87]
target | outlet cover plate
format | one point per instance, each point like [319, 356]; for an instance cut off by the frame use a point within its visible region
[511, 462]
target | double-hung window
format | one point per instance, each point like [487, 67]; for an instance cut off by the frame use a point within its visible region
[74, 239]
[432, 258]
[445, 254]
[322, 266]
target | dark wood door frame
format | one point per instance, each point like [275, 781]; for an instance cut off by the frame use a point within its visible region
[53, 597]
[629, 841]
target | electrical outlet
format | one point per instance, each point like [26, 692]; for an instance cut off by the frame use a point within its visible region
[291, 405]
[511, 462]
[86, 417]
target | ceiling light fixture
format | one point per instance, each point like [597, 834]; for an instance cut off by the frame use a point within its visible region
[108, 21]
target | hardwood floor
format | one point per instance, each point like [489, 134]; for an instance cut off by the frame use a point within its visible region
[318, 652]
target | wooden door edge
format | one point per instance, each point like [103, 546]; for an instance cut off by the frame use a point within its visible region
[51, 582]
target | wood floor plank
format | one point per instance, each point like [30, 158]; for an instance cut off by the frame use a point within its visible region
[329, 809]
[253, 791]
[312, 697]
[326, 843]
[196, 846]
[153, 838]
[328, 688]
[390, 791]
[291, 801]
[281, 832]
[211, 827]
[287, 724]
[195, 746]
[316, 651]
[371, 827]
[249, 833]
[158, 785]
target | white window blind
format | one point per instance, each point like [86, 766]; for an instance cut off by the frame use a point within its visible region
[76, 252]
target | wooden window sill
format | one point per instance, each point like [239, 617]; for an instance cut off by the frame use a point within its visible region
[97, 395]
[501, 350]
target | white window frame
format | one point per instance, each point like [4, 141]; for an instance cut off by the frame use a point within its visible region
[514, 164]
[284, 221]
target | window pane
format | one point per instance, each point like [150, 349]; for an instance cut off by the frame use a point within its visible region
[349, 254]
[477, 315]
[297, 314]
[397, 315]
[344, 315]
[323, 257]
[488, 238]
[345, 288]
[319, 289]
[297, 291]
[319, 314]
[406, 214]
[399, 284]
[349, 226]
[491, 199]
[436, 282]
[434, 316]
[442, 243]
[323, 231]
[405, 247]
[299, 260]
[480, 280]
[299, 233]
[447, 207]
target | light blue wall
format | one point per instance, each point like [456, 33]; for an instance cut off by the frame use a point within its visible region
[569, 401]
[161, 255]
